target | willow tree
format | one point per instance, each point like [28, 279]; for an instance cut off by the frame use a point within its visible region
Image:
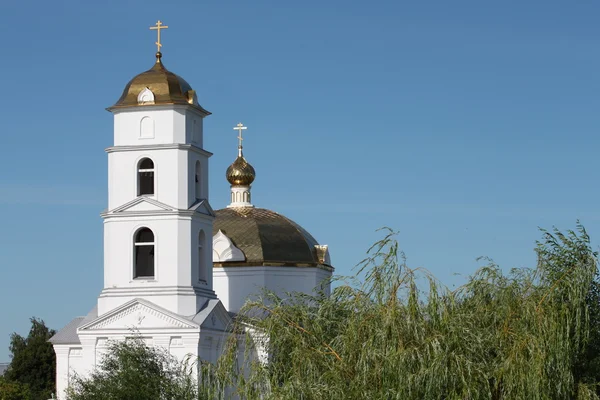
[400, 334]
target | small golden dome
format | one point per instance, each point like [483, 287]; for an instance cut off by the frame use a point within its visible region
[240, 172]
[157, 86]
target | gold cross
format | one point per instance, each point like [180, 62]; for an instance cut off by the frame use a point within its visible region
[240, 127]
[158, 27]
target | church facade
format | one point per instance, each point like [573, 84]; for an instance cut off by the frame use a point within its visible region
[175, 271]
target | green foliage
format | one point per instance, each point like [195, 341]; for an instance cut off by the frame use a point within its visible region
[33, 361]
[587, 365]
[402, 335]
[134, 371]
[13, 390]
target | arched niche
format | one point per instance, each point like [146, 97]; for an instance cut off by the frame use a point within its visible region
[146, 128]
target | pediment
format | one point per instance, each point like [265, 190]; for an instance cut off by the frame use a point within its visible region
[142, 203]
[139, 314]
[203, 207]
[224, 250]
[214, 316]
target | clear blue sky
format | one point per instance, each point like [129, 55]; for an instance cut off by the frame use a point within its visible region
[465, 125]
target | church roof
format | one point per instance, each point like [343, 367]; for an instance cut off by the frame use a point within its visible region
[267, 238]
[165, 87]
[68, 334]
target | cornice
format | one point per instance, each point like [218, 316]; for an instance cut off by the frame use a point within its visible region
[196, 291]
[242, 264]
[160, 106]
[170, 146]
[154, 213]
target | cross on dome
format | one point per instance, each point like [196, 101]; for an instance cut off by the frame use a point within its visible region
[157, 28]
[240, 127]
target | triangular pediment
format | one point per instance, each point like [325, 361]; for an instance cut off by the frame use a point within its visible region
[141, 204]
[214, 316]
[139, 314]
[203, 207]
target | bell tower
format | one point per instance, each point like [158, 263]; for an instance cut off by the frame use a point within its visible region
[158, 224]
[158, 270]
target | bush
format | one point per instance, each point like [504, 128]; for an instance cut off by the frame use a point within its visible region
[134, 371]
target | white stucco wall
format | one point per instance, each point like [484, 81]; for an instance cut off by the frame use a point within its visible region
[176, 283]
[84, 358]
[234, 285]
[152, 125]
[174, 175]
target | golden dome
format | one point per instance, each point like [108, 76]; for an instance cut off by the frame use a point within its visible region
[240, 172]
[164, 87]
[268, 238]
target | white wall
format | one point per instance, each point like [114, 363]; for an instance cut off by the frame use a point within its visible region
[83, 358]
[234, 285]
[62, 369]
[151, 125]
[176, 282]
[174, 175]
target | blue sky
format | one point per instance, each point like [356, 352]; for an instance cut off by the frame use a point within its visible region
[465, 125]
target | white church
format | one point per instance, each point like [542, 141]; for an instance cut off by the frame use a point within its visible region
[164, 276]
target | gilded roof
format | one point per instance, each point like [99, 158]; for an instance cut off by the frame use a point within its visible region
[167, 88]
[240, 172]
[266, 237]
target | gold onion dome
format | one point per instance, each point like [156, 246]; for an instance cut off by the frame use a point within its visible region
[166, 88]
[240, 172]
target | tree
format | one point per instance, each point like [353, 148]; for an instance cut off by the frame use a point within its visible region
[33, 361]
[13, 390]
[134, 371]
[587, 365]
[400, 334]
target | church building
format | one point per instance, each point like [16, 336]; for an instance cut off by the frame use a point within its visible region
[176, 271]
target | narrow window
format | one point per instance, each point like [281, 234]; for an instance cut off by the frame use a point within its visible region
[197, 181]
[201, 264]
[146, 177]
[144, 254]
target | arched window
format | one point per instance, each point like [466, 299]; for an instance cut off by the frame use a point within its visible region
[198, 178]
[144, 254]
[202, 273]
[145, 177]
